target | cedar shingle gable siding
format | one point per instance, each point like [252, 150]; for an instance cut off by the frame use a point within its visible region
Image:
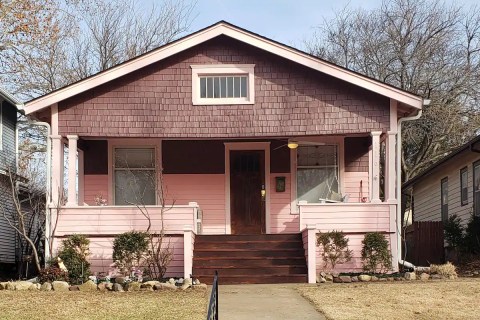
[290, 100]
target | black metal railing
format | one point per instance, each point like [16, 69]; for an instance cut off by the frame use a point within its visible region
[213, 303]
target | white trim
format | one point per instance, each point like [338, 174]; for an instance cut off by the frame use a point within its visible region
[229, 146]
[199, 70]
[1, 125]
[216, 30]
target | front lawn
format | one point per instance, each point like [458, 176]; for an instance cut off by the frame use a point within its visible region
[455, 299]
[38, 305]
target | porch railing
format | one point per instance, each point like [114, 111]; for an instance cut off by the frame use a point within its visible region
[213, 304]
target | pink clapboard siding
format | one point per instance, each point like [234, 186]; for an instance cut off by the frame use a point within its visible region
[281, 219]
[100, 256]
[95, 185]
[208, 190]
[106, 220]
[356, 186]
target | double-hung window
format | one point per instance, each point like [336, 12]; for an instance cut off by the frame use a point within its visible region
[317, 173]
[135, 176]
[464, 186]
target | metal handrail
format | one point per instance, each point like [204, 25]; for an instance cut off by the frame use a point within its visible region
[213, 303]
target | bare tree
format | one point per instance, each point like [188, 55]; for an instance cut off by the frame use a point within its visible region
[425, 47]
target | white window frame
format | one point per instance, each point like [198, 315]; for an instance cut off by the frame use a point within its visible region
[1, 125]
[222, 70]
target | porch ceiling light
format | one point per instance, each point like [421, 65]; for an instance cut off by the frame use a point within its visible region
[292, 144]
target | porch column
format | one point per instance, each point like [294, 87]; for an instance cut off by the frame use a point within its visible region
[312, 253]
[188, 243]
[81, 178]
[390, 172]
[376, 166]
[72, 170]
[57, 169]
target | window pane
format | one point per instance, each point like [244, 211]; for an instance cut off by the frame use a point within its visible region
[203, 87]
[243, 87]
[317, 155]
[316, 184]
[223, 87]
[134, 158]
[229, 87]
[134, 187]
[216, 87]
[236, 87]
[209, 87]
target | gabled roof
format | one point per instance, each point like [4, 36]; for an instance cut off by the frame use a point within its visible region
[5, 95]
[472, 145]
[229, 30]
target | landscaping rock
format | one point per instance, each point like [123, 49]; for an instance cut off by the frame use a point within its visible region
[355, 279]
[201, 286]
[117, 287]
[133, 286]
[34, 287]
[180, 281]
[397, 279]
[328, 277]
[3, 285]
[436, 277]
[165, 286]
[323, 274]
[60, 286]
[102, 286]
[74, 288]
[10, 286]
[149, 284]
[22, 285]
[88, 286]
[346, 279]
[390, 279]
[337, 280]
[47, 286]
[109, 286]
[382, 279]
[410, 276]
[452, 277]
[321, 279]
[171, 281]
[364, 277]
[196, 282]
[120, 280]
[374, 279]
[424, 276]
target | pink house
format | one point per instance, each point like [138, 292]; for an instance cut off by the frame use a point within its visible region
[259, 146]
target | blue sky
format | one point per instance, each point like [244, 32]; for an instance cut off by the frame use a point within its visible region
[286, 21]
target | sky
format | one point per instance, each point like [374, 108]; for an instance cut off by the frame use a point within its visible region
[287, 21]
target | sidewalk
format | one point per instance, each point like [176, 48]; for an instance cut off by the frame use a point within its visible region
[264, 301]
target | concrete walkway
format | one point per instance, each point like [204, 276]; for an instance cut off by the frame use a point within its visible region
[264, 301]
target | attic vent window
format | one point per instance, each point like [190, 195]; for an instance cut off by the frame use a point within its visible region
[222, 84]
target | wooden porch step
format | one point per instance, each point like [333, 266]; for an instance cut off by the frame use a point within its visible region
[247, 253]
[257, 245]
[237, 271]
[248, 237]
[221, 262]
[256, 279]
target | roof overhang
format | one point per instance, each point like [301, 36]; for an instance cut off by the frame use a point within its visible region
[218, 29]
[6, 96]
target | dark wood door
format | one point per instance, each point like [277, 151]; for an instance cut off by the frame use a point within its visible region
[247, 201]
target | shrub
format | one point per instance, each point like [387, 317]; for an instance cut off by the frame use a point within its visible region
[158, 256]
[376, 256]
[334, 246]
[447, 269]
[472, 235]
[74, 253]
[51, 274]
[129, 248]
[453, 231]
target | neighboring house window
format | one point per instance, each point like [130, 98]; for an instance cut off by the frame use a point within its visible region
[476, 188]
[464, 186]
[317, 173]
[444, 199]
[223, 84]
[135, 176]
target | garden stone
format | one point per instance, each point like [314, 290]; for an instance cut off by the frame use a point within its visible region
[346, 279]
[149, 284]
[47, 286]
[74, 288]
[165, 286]
[436, 277]
[201, 286]
[196, 281]
[3, 285]
[60, 285]
[355, 279]
[452, 277]
[180, 281]
[321, 279]
[410, 276]
[364, 277]
[335, 274]
[328, 277]
[382, 279]
[397, 279]
[147, 289]
[337, 280]
[185, 286]
[117, 287]
[120, 280]
[188, 281]
[424, 276]
[22, 285]
[33, 280]
[323, 274]
[133, 286]
[102, 286]
[374, 279]
[109, 286]
[10, 286]
[88, 286]
[171, 281]
[33, 287]
[390, 279]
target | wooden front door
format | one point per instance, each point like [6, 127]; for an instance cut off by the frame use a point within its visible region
[247, 201]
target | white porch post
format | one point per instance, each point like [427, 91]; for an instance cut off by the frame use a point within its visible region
[390, 171]
[312, 253]
[81, 178]
[188, 240]
[72, 170]
[57, 169]
[376, 166]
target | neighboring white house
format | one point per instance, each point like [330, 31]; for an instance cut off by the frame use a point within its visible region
[450, 186]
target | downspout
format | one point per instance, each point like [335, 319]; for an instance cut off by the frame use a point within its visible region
[399, 184]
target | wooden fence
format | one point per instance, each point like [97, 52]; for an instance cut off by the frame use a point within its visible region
[424, 243]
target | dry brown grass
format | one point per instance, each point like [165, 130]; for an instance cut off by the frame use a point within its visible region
[108, 305]
[456, 299]
[446, 269]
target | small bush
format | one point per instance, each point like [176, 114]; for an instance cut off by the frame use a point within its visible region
[129, 248]
[334, 247]
[376, 256]
[51, 274]
[446, 270]
[74, 253]
[472, 235]
[453, 231]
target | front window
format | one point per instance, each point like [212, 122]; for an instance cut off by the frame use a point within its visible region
[134, 175]
[464, 186]
[317, 174]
